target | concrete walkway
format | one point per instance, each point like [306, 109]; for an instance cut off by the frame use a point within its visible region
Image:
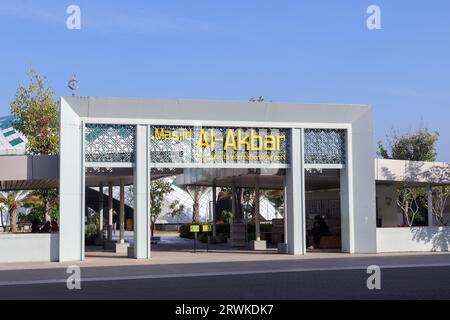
[173, 252]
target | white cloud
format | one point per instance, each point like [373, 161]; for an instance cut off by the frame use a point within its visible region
[104, 19]
[29, 11]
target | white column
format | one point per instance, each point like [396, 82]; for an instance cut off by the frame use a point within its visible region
[110, 211]
[257, 226]
[346, 195]
[347, 200]
[295, 196]
[430, 205]
[233, 199]
[122, 212]
[214, 204]
[141, 193]
[100, 209]
[71, 185]
[285, 211]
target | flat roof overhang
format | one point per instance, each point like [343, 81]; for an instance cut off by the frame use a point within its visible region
[29, 172]
[411, 173]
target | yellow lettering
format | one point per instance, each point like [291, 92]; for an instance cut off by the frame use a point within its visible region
[255, 141]
[279, 142]
[159, 135]
[270, 143]
[203, 139]
[230, 141]
[242, 141]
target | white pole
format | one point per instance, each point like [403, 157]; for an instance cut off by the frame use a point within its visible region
[100, 209]
[257, 226]
[110, 211]
[122, 211]
[430, 205]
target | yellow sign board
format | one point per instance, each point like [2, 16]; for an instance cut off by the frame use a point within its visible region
[206, 228]
[195, 228]
[234, 138]
[196, 144]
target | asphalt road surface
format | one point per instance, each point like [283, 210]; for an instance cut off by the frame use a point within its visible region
[401, 278]
[399, 283]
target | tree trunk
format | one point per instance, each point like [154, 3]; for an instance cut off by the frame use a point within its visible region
[196, 208]
[13, 219]
[47, 211]
[2, 221]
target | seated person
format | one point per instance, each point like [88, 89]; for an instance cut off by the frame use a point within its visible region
[320, 229]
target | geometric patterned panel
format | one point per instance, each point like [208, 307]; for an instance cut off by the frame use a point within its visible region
[12, 142]
[325, 146]
[109, 143]
[213, 145]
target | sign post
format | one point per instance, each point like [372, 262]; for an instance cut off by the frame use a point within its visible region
[195, 229]
[207, 228]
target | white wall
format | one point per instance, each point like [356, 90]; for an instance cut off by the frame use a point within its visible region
[414, 239]
[29, 247]
[412, 171]
[387, 207]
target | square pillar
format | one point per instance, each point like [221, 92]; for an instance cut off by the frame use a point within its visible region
[110, 211]
[141, 193]
[346, 194]
[257, 244]
[430, 205]
[71, 185]
[122, 212]
[295, 215]
[233, 199]
[358, 214]
[257, 226]
[214, 204]
[100, 209]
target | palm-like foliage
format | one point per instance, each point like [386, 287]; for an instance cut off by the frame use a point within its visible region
[196, 193]
[15, 199]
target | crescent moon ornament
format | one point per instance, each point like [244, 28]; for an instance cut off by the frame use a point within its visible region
[73, 85]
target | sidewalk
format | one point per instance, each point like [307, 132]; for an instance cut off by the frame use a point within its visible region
[240, 257]
[174, 253]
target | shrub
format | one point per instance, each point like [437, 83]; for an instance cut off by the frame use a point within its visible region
[223, 228]
[185, 231]
[222, 238]
[90, 234]
[203, 237]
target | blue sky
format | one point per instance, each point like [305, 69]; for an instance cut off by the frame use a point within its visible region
[294, 51]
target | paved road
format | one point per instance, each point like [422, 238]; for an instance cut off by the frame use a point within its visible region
[398, 283]
[404, 277]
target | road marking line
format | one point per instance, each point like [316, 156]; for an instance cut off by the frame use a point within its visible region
[225, 273]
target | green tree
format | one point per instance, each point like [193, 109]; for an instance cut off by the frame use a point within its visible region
[410, 200]
[36, 115]
[15, 199]
[418, 146]
[49, 203]
[441, 194]
[158, 190]
[196, 193]
[227, 216]
[276, 198]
